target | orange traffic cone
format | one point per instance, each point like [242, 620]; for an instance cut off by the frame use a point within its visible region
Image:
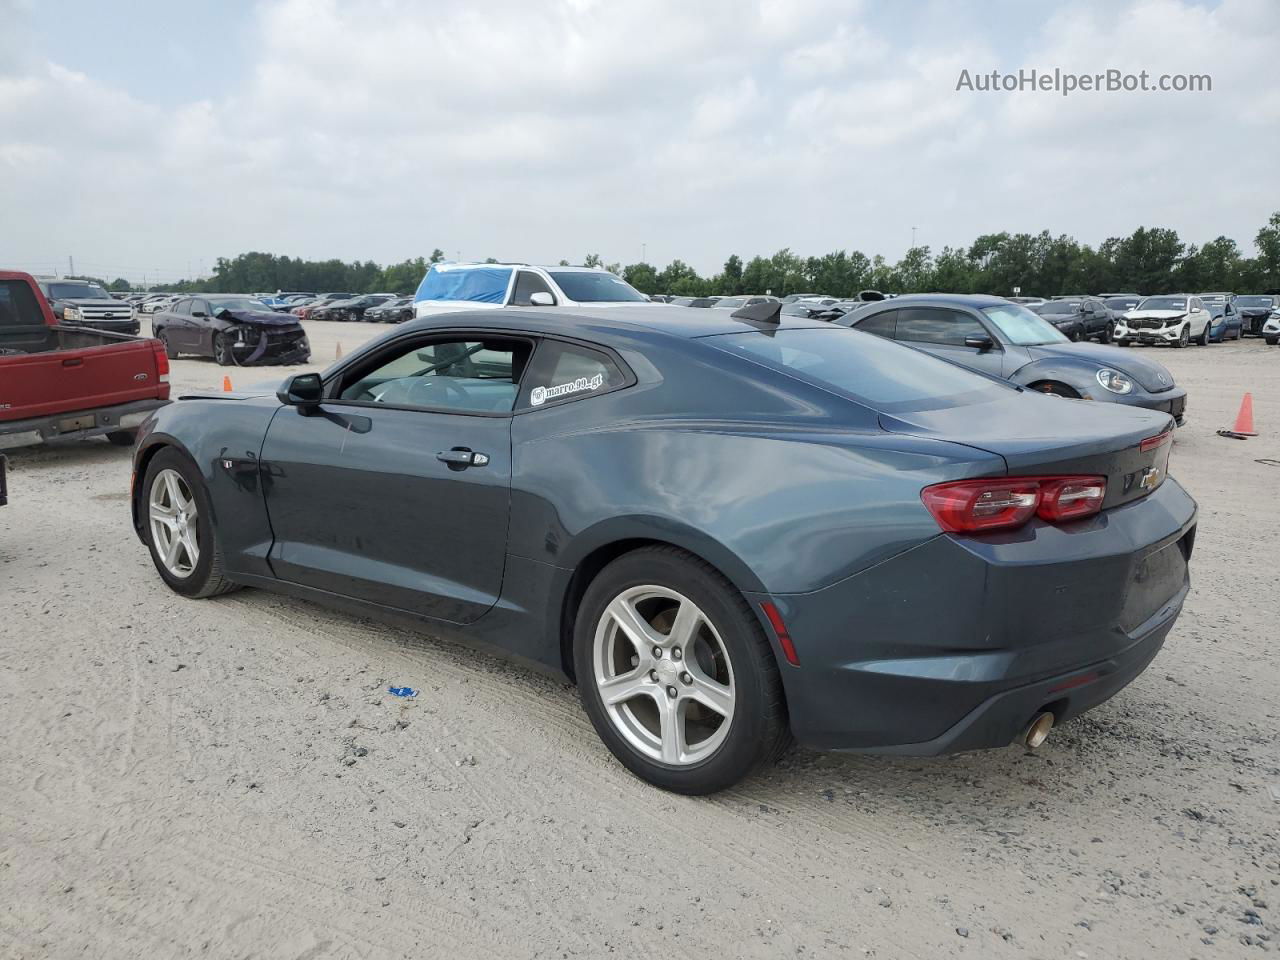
[1244, 421]
[337, 351]
[226, 384]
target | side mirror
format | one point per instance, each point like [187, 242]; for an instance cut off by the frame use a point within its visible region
[541, 299]
[303, 390]
[980, 342]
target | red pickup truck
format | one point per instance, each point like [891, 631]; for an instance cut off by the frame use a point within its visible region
[70, 382]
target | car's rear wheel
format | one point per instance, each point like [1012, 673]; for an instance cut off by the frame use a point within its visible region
[1106, 336]
[676, 673]
[1203, 339]
[179, 530]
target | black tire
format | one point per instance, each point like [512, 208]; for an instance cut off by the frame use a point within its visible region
[222, 350]
[1271, 341]
[1124, 343]
[123, 438]
[1203, 340]
[758, 731]
[206, 580]
[1106, 335]
[1184, 339]
[169, 351]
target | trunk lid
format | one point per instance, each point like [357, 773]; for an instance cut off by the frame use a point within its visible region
[1038, 435]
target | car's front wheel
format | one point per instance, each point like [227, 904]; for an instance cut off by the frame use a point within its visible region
[1184, 337]
[676, 673]
[177, 516]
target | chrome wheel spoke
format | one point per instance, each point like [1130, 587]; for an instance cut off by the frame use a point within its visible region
[642, 636]
[172, 549]
[671, 723]
[710, 693]
[627, 685]
[684, 628]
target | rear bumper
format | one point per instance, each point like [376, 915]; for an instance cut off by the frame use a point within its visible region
[76, 424]
[957, 643]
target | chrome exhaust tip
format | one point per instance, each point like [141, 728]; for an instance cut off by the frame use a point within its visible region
[1038, 731]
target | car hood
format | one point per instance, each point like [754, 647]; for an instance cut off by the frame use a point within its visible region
[1152, 376]
[265, 318]
[1155, 314]
[94, 302]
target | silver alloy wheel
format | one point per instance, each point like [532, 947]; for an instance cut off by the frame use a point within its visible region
[664, 675]
[171, 509]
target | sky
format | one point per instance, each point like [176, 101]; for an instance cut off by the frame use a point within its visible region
[149, 139]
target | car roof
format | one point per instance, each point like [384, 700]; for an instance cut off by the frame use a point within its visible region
[943, 300]
[661, 318]
[448, 265]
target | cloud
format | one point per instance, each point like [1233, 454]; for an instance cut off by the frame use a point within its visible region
[539, 131]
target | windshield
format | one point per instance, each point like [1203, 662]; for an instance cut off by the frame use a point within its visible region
[244, 304]
[1163, 303]
[77, 291]
[1122, 303]
[596, 287]
[1254, 302]
[1021, 327]
[869, 369]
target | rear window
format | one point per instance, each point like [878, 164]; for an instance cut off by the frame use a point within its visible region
[18, 305]
[1253, 301]
[877, 372]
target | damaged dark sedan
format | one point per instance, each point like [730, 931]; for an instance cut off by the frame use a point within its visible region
[235, 331]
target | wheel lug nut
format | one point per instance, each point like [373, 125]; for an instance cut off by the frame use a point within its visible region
[657, 653]
[675, 654]
[653, 675]
[685, 678]
[671, 692]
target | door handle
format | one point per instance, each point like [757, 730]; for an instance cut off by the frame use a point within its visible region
[461, 457]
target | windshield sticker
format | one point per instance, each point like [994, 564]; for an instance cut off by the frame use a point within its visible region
[541, 395]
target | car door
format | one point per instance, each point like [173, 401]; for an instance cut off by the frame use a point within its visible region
[1199, 317]
[176, 322]
[201, 327]
[396, 489]
[943, 331]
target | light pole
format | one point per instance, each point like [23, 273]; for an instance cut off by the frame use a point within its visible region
[913, 238]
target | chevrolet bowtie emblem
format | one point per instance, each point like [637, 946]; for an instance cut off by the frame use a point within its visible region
[1150, 479]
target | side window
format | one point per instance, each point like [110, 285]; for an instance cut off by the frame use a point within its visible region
[182, 307]
[199, 307]
[527, 284]
[935, 325]
[882, 324]
[562, 372]
[1196, 304]
[18, 305]
[464, 375]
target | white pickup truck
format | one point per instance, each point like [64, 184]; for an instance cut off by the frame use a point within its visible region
[478, 286]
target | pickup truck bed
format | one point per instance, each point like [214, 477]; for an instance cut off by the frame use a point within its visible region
[58, 381]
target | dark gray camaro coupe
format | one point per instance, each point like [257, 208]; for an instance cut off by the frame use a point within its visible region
[726, 530]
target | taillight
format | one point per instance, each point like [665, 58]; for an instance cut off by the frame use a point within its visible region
[1002, 503]
[1158, 440]
[162, 360]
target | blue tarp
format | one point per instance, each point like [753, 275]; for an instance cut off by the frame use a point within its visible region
[477, 284]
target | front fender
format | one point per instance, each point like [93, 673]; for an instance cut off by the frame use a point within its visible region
[223, 441]
[1079, 375]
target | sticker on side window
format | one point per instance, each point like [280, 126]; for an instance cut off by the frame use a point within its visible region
[540, 395]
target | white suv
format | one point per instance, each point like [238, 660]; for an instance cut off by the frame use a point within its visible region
[478, 286]
[1176, 319]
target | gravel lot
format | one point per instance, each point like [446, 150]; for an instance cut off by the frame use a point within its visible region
[231, 778]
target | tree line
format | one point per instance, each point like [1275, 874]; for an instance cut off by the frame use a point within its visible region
[1150, 260]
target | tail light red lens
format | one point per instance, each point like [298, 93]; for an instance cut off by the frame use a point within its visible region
[1003, 503]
